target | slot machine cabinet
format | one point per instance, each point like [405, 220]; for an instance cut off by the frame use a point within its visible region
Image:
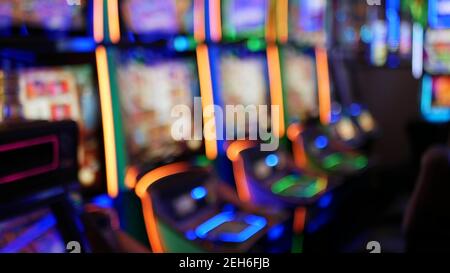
[160, 63]
[37, 182]
[52, 48]
[245, 70]
[314, 126]
[150, 57]
[304, 41]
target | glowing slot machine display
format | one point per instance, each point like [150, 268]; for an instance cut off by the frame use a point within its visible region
[436, 63]
[149, 92]
[44, 19]
[157, 18]
[67, 92]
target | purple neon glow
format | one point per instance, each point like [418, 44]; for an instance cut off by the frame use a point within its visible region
[37, 170]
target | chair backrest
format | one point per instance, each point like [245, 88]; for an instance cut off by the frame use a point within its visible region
[427, 218]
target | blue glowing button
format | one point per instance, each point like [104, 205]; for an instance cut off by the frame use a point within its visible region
[275, 232]
[335, 118]
[272, 160]
[325, 201]
[355, 109]
[103, 201]
[253, 224]
[190, 235]
[181, 43]
[321, 142]
[199, 193]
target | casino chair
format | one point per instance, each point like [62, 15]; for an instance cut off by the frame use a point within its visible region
[426, 222]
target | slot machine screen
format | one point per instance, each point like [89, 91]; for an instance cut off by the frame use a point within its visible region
[243, 83]
[149, 91]
[242, 18]
[67, 92]
[48, 15]
[437, 51]
[441, 92]
[350, 25]
[307, 20]
[165, 17]
[6, 14]
[35, 232]
[439, 13]
[300, 79]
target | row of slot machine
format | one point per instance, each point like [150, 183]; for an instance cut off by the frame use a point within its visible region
[404, 33]
[119, 68]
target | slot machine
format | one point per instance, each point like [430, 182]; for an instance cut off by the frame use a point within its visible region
[350, 34]
[158, 67]
[49, 62]
[435, 87]
[37, 178]
[321, 133]
[246, 77]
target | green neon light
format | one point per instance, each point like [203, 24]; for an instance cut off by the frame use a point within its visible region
[294, 185]
[332, 161]
[297, 244]
[202, 161]
[255, 44]
[361, 162]
[284, 184]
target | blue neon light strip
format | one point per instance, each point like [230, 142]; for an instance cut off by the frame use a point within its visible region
[220, 219]
[431, 114]
[393, 23]
[255, 224]
[417, 51]
[30, 235]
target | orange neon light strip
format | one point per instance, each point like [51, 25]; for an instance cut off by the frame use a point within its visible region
[151, 177]
[98, 21]
[271, 32]
[237, 147]
[215, 20]
[282, 20]
[294, 134]
[206, 92]
[242, 186]
[276, 93]
[233, 153]
[131, 175]
[113, 21]
[108, 122]
[199, 20]
[323, 82]
[299, 220]
[151, 223]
